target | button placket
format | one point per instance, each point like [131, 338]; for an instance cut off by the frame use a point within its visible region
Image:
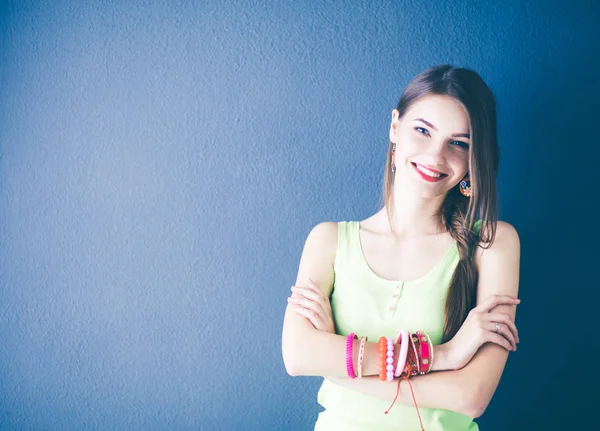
[396, 293]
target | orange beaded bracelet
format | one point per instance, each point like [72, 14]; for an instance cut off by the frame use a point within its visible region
[382, 358]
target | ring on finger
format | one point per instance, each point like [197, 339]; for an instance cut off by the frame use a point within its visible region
[497, 328]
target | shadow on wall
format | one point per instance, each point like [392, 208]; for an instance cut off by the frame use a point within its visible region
[558, 244]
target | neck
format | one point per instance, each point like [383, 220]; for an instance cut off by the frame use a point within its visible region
[413, 215]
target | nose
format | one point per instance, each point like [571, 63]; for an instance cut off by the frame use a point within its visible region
[436, 151]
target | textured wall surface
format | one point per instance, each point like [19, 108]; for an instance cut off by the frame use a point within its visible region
[161, 164]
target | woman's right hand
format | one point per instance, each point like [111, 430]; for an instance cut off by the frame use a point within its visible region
[481, 326]
[309, 301]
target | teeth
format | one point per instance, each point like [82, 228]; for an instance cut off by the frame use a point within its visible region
[428, 172]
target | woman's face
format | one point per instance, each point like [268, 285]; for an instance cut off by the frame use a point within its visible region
[432, 145]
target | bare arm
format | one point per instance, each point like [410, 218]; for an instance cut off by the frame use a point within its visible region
[498, 269]
[309, 352]
[470, 389]
[305, 350]
[448, 390]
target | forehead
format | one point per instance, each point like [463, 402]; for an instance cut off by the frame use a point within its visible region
[444, 112]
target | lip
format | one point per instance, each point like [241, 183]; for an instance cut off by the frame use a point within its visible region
[427, 177]
[430, 168]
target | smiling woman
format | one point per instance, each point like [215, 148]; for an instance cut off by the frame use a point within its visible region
[422, 292]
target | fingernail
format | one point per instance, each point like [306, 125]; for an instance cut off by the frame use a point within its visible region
[518, 300]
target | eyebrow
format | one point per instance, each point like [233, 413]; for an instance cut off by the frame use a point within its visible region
[456, 135]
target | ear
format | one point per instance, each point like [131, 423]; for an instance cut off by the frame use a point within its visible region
[394, 126]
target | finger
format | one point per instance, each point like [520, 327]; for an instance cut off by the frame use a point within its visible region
[322, 311]
[494, 300]
[492, 337]
[298, 309]
[502, 329]
[498, 299]
[309, 304]
[310, 315]
[507, 320]
[307, 293]
[306, 303]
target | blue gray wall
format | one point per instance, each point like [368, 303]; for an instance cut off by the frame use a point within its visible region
[162, 163]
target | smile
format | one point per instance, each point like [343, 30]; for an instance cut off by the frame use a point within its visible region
[427, 174]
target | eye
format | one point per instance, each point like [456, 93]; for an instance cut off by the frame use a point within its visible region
[461, 144]
[422, 130]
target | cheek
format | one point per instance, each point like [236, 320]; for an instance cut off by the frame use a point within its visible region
[460, 160]
[409, 143]
[466, 162]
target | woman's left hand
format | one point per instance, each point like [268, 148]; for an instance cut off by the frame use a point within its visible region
[310, 302]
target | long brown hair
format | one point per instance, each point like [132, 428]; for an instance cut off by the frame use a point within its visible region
[458, 213]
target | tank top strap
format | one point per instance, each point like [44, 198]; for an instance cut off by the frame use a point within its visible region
[347, 247]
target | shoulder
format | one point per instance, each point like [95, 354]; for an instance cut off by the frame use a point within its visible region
[324, 233]
[506, 232]
[318, 256]
[506, 240]
[322, 241]
[325, 228]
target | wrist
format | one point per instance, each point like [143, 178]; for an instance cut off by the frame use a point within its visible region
[442, 360]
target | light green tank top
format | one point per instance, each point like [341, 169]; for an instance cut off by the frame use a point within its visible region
[368, 305]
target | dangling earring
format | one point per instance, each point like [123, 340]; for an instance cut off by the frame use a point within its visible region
[392, 167]
[465, 186]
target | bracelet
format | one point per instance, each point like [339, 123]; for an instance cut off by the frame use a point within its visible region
[349, 351]
[409, 361]
[403, 342]
[416, 366]
[361, 355]
[424, 350]
[382, 359]
[390, 360]
[430, 352]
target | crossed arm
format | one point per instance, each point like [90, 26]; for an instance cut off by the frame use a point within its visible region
[468, 390]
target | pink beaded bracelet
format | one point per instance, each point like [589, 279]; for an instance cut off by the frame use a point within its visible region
[349, 353]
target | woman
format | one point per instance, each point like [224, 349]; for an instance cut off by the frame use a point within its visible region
[434, 259]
